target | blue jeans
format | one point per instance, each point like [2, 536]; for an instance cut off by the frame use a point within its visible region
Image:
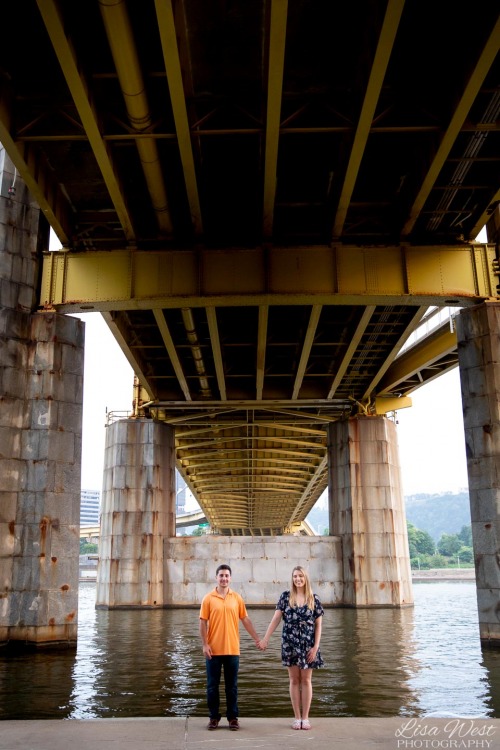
[214, 670]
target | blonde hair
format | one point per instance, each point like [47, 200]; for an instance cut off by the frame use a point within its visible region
[308, 592]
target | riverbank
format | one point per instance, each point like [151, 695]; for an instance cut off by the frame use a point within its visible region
[444, 574]
[432, 574]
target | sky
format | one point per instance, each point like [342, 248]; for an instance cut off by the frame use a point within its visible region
[430, 433]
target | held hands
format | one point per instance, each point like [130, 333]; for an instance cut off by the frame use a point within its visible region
[262, 644]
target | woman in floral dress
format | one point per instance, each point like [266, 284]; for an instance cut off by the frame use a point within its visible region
[302, 614]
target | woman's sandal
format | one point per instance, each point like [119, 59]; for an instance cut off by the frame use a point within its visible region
[306, 724]
[297, 724]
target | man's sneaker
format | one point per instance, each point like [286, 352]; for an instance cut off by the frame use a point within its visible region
[213, 724]
[234, 724]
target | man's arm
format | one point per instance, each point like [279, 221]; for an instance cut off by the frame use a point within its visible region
[248, 625]
[207, 651]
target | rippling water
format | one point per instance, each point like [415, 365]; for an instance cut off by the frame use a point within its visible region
[382, 662]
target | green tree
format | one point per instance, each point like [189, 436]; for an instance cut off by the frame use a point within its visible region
[465, 536]
[86, 548]
[438, 561]
[420, 542]
[465, 554]
[449, 544]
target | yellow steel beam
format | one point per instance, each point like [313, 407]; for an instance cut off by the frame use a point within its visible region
[126, 59]
[395, 351]
[223, 442]
[261, 349]
[377, 75]
[443, 341]
[485, 216]
[384, 405]
[44, 188]
[172, 353]
[290, 428]
[87, 532]
[483, 65]
[306, 349]
[80, 94]
[348, 275]
[136, 365]
[308, 496]
[221, 429]
[217, 352]
[353, 343]
[282, 462]
[277, 39]
[168, 38]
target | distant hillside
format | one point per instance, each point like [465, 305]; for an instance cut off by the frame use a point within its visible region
[436, 514]
[439, 514]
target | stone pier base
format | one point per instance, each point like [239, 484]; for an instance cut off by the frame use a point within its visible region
[367, 512]
[41, 394]
[40, 438]
[478, 332]
[137, 513]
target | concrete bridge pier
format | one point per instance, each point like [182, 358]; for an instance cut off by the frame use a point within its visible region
[367, 512]
[41, 396]
[137, 514]
[478, 333]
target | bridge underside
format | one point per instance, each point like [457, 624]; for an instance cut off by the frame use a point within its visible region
[263, 199]
[251, 380]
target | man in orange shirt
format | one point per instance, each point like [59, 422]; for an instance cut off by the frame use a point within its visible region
[220, 613]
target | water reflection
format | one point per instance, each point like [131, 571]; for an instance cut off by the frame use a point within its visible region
[490, 681]
[378, 663]
[378, 660]
[40, 682]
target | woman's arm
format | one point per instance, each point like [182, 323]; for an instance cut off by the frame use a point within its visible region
[313, 651]
[271, 628]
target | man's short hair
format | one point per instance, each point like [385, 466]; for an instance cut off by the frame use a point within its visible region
[223, 567]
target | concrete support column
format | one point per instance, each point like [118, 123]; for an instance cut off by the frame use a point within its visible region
[478, 332]
[41, 395]
[137, 513]
[367, 512]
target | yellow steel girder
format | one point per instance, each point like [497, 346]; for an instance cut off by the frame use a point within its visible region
[431, 349]
[100, 281]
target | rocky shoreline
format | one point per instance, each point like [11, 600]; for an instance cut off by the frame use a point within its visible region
[444, 574]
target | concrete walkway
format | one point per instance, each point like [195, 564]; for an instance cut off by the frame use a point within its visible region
[191, 734]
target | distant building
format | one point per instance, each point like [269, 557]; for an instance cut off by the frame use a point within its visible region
[181, 490]
[89, 507]
[184, 498]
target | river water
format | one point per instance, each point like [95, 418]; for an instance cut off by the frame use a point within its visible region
[422, 661]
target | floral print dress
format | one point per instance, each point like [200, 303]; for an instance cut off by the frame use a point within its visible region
[297, 636]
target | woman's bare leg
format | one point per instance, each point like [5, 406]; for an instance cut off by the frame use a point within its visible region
[306, 691]
[294, 674]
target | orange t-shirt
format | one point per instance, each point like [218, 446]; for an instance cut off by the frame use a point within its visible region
[223, 617]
